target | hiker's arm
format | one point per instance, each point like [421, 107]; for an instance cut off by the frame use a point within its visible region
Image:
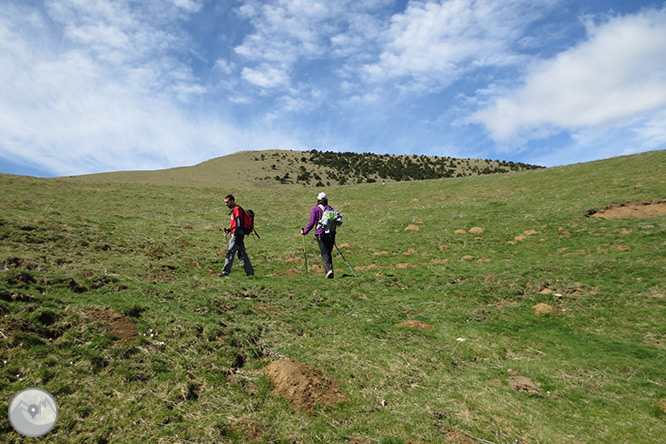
[239, 224]
[313, 221]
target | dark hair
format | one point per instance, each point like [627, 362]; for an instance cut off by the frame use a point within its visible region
[230, 197]
[322, 201]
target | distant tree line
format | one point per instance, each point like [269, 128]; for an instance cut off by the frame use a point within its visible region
[367, 166]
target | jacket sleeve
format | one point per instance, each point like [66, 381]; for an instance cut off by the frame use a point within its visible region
[313, 220]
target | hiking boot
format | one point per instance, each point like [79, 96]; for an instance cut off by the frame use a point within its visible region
[329, 275]
[224, 274]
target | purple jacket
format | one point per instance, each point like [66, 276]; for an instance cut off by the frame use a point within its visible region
[315, 216]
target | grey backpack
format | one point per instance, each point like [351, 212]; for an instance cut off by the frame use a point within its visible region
[329, 221]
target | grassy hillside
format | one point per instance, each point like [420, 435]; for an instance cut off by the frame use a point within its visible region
[486, 309]
[285, 169]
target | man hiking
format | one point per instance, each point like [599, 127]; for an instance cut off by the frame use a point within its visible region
[236, 244]
[324, 231]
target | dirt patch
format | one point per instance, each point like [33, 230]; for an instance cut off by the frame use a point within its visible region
[454, 436]
[118, 325]
[303, 386]
[367, 267]
[412, 227]
[630, 210]
[541, 309]
[252, 429]
[438, 261]
[293, 259]
[662, 405]
[524, 385]
[657, 342]
[416, 324]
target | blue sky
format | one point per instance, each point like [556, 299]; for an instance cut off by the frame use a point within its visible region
[89, 86]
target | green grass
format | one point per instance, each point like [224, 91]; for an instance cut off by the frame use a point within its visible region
[152, 253]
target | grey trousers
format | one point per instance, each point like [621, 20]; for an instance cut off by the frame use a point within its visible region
[237, 246]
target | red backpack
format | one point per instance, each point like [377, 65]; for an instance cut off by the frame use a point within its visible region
[247, 221]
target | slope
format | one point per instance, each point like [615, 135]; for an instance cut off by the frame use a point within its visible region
[282, 168]
[487, 309]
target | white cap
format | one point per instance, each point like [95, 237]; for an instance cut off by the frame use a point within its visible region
[322, 196]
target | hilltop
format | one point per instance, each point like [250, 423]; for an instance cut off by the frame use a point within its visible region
[284, 168]
[505, 308]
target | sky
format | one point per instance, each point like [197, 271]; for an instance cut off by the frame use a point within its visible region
[89, 86]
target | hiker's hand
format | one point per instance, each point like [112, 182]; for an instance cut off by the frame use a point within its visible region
[302, 231]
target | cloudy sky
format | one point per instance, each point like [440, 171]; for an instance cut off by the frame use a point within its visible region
[103, 85]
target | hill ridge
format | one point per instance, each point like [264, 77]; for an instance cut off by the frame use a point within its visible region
[283, 168]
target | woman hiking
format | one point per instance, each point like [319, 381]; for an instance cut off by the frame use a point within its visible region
[324, 225]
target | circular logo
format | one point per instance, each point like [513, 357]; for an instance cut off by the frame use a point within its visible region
[33, 412]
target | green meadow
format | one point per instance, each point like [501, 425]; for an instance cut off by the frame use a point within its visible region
[487, 309]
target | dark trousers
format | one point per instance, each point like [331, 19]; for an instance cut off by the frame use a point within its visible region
[326, 243]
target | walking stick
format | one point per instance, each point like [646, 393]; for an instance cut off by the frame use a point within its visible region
[343, 258]
[305, 253]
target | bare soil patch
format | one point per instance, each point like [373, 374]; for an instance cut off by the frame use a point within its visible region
[454, 436]
[367, 267]
[252, 429]
[416, 324]
[630, 210]
[118, 325]
[541, 309]
[525, 385]
[303, 386]
[662, 405]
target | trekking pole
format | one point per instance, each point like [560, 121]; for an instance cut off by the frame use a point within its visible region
[343, 258]
[255, 233]
[305, 253]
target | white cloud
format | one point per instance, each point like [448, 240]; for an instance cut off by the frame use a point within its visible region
[652, 134]
[68, 107]
[617, 74]
[188, 5]
[288, 32]
[265, 77]
[225, 66]
[432, 44]
[285, 31]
